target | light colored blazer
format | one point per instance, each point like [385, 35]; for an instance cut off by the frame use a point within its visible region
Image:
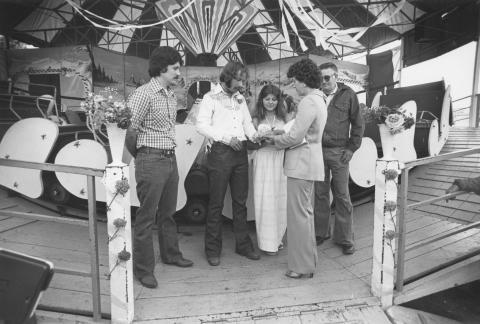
[305, 161]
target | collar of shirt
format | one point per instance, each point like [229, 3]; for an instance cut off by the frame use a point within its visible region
[331, 93]
[155, 87]
[218, 89]
[329, 97]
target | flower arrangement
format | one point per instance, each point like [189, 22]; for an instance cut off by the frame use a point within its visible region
[105, 108]
[395, 120]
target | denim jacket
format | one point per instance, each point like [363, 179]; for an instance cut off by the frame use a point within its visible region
[344, 111]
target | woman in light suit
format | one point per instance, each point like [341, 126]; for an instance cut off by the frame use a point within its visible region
[303, 165]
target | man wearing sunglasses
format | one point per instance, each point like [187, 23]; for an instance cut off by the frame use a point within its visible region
[342, 136]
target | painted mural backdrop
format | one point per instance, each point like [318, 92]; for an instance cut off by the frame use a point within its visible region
[126, 73]
[71, 64]
[275, 72]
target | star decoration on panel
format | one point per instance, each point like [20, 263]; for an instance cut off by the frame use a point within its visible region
[189, 141]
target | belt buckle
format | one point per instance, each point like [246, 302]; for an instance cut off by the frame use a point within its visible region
[168, 153]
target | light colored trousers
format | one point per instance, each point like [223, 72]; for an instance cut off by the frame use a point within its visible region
[302, 249]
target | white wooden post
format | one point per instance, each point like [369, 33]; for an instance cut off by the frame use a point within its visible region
[384, 230]
[120, 242]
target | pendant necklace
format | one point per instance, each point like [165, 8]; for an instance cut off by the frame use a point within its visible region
[272, 124]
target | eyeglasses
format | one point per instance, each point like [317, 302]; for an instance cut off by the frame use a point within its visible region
[327, 78]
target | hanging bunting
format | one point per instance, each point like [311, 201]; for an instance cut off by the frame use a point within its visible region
[320, 31]
[115, 25]
[294, 28]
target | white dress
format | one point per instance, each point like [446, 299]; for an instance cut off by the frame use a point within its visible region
[270, 196]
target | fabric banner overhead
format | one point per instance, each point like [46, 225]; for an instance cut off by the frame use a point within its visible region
[208, 26]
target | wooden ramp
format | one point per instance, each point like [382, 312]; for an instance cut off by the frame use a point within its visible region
[431, 180]
[454, 260]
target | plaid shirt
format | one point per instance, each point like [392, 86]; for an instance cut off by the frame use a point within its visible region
[154, 111]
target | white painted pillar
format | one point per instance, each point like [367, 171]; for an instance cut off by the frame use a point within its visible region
[384, 230]
[120, 242]
[474, 113]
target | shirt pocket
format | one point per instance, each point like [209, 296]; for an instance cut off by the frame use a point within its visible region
[341, 111]
[160, 117]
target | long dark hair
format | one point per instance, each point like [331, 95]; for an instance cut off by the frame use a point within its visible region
[280, 111]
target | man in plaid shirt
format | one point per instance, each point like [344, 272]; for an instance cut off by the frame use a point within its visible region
[154, 112]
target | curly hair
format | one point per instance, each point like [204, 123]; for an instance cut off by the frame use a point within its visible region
[280, 110]
[305, 71]
[230, 72]
[161, 58]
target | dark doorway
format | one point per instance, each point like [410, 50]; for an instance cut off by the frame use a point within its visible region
[41, 84]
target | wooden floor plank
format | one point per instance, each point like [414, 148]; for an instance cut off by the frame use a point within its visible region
[305, 293]
[459, 245]
[12, 223]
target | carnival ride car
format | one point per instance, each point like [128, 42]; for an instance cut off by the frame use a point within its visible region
[433, 118]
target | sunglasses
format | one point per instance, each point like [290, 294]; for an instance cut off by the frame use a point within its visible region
[326, 78]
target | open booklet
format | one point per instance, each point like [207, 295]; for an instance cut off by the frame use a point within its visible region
[287, 128]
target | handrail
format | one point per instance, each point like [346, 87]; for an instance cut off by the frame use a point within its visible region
[52, 167]
[458, 99]
[435, 199]
[441, 237]
[460, 109]
[91, 223]
[441, 157]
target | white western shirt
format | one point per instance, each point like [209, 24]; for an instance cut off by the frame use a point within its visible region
[221, 117]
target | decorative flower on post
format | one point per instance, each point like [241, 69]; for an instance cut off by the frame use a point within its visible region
[122, 256]
[390, 174]
[395, 120]
[390, 235]
[119, 223]
[121, 187]
[390, 206]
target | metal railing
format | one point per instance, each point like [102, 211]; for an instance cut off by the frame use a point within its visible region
[457, 110]
[91, 173]
[404, 207]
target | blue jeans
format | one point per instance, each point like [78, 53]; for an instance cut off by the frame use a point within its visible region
[157, 185]
[226, 166]
[343, 231]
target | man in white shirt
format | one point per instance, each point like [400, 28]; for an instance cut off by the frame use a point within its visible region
[224, 119]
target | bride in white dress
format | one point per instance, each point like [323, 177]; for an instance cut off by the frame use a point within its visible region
[269, 182]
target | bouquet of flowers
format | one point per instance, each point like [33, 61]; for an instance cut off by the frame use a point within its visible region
[395, 120]
[105, 108]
